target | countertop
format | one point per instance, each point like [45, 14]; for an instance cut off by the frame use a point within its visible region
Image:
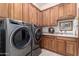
[63, 35]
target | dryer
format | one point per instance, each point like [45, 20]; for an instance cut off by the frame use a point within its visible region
[37, 32]
[18, 38]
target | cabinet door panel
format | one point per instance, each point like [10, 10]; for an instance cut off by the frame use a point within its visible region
[4, 10]
[26, 12]
[46, 17]
[61, 46]
[17, 11]
[39, 18]
[70, 10]
[61, 11]
[32, 14]
[70, 48]
[54, 15]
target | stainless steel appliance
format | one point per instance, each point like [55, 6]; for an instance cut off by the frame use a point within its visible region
[17, 41]
[37, 32]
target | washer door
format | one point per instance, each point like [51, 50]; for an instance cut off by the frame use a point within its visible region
[38, 34]
[21, 38]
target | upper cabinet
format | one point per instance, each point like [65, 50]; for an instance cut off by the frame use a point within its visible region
[54, 15]
[66, 11]
[32, 14]
[4, 10]
[15, 11]
[70, 10]
[46, 17]
[61, 11]
[26, 12]
[39, 18]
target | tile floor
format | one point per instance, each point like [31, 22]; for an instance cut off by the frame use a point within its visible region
[48, 53]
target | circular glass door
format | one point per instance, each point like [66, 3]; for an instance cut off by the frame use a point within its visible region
[38, 34]
[21, 37]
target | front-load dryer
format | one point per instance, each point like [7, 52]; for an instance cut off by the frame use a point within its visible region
[18, 39]
[37, 32]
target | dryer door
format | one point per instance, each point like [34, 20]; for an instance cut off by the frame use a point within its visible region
[38, 34]
[21, 37]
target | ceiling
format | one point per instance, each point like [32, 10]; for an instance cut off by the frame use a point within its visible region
[43, 6]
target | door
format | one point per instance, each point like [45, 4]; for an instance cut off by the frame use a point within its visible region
[46, 44]
[46, 17]
[54, 15]
[4, 10]
[16, 11]
[61, 11]
[32, 14]
[39, 18]
[70, 10]
[61, 46]
[20, 38]
[71, 48]
[26, 12]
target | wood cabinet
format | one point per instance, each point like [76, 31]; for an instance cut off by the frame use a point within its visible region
[61, 46]
[46, 43]
[67, 11]
[4, 10]
[49, 43]
[32, 14]
[16, 11]
[70, 10]
[39, 18]
[46, 17]
[71, 48]
[53, 44]
[26, 12]
[61, 11]
[54, 15]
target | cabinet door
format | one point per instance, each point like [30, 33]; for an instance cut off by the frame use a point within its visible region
[46, 44]
[54, 15]
[26, 12]
[39, 18]
[46, 17]
[32, 14]
[4, 10]
[54, 44]
[70, 48]
[61, 11]
[70, 10]
[17, 11]
[61, 46]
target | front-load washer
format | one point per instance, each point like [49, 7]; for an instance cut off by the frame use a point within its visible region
[18, 38]
[37, 32]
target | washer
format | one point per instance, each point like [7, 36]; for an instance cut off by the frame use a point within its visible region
[18, 38]
[36, 50]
